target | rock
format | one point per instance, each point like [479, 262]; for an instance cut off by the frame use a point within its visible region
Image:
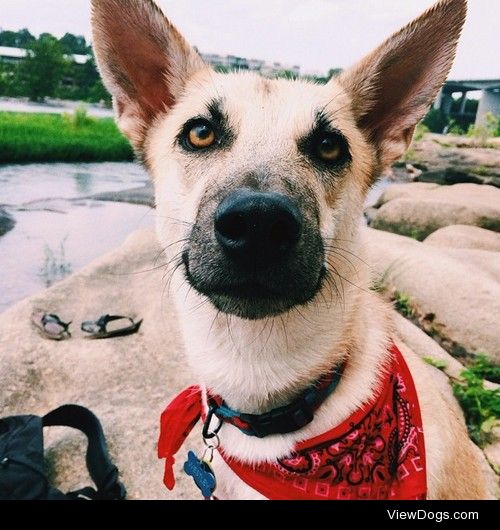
[405, 191]
[418, 209]
[447, 177]
[421, 344]
[464, 236]
[489, 474]
[492, 451]
[126, 381]
[425, 347]
[7, 222]
[143, 195]
[459, 153]
[485, 261]
[451, 176]
[459, 301]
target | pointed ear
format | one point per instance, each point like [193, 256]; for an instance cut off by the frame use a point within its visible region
[392, 87]
[143, 60]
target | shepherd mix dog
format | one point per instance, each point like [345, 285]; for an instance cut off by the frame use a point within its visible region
[260, 185]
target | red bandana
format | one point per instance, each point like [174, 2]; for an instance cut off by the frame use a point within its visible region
[377, 453]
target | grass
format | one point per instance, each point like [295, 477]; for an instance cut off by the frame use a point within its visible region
[27, 137]
[481, 405]
[55, 265]
[402, 304]
[482, 171]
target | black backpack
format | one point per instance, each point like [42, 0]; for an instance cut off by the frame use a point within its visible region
[22, 469]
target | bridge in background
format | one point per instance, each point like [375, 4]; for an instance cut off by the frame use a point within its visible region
[489, 101]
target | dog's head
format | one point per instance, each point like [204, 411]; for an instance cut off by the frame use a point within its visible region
[259, 182]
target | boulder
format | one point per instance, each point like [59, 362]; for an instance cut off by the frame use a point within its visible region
[421, 344]
[492, 451]
[418, 209]
[7, 222]
[464, 236]
[459, 300]
[126, 381]
[450, 175]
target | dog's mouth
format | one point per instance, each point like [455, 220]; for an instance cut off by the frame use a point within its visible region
[253, 298]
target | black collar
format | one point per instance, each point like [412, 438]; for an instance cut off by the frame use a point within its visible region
[280, 420]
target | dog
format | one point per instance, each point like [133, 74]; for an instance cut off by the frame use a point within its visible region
[259, 186]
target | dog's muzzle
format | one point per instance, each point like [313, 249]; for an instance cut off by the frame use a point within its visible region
[257, 254]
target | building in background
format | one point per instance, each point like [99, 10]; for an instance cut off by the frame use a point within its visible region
[233, 62]
[16, 55]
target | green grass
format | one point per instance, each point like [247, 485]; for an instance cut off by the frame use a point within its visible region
[402, 304]
[482, 171]
[26, 137]
[481, 405]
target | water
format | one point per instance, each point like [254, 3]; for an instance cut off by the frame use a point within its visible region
[54, 235]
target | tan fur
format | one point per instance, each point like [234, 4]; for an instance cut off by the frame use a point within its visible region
[256, 365]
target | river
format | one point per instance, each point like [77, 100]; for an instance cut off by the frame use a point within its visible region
[58, 229]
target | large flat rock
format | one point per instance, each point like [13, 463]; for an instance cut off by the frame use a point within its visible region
[460, 288]
[126, 381]
[418, 209]
[464, 236]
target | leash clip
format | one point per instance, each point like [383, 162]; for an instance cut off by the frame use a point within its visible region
[207, 433]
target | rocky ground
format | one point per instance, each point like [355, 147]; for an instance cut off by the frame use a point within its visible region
[439, 246]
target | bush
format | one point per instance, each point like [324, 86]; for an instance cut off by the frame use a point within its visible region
[491, 128]
[420, 130]
[435, 120]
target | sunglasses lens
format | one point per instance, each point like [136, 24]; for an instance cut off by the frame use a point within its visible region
[52, 328]
[90, 327]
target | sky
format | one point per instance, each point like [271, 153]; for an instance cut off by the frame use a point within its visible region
[315, 34]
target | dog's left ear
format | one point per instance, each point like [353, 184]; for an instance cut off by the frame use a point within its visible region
[143, 60]
[392, 87]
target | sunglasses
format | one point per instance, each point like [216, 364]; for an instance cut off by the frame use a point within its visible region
[105, 326]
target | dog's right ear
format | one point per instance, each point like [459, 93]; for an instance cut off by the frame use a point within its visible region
[393, 86]
[144, 61]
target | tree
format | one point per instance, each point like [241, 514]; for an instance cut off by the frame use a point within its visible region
[334, 72]
[71, 44]
[16, 39]
[43, 68]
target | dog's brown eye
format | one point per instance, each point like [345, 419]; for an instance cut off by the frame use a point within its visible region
[201, 135]
[330, 148]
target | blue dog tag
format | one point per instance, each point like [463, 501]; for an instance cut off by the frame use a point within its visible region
[202, 474]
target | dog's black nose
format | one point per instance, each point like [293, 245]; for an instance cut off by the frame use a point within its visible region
[257, 226]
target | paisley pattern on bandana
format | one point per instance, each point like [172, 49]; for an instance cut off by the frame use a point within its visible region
[378, 453]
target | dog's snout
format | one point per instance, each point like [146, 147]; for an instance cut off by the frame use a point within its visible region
[257, 226]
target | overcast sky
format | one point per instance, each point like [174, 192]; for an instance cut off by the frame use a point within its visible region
[316, 34]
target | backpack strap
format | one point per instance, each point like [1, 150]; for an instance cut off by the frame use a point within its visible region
[101, 469]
